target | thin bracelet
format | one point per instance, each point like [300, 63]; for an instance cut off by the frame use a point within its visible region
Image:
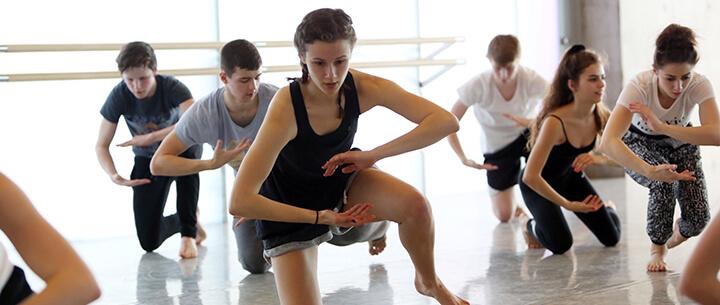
[317, 216]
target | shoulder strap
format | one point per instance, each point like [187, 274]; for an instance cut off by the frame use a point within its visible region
[561, 124]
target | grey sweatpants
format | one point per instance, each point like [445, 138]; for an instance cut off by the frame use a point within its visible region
[691, 195]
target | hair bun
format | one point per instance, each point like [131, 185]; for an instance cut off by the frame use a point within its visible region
[576, 48]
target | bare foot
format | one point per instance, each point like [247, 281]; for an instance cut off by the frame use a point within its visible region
[439, 292]
[676, 237]
[188, 249]
[201, 235]
[530, 240]
[520, 213]
[657, 254]
[377, 246]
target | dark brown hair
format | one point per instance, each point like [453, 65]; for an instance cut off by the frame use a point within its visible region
[241, 54]
[503, 49]
[325, 24]
[136, 54]
[676, 44]
[571, 66]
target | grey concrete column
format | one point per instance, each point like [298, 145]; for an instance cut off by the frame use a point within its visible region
[596, 24]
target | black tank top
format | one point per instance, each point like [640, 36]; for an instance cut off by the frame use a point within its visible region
[297, 177]
[559, 162]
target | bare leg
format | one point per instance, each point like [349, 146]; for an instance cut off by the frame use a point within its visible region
[296, 277]
[503, 204]
[676, 237]
[397, 201]
[188, 249]
[657, 256]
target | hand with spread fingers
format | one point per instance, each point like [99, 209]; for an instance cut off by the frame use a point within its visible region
[648, 116]
[485, 166]
[222, 156]
[350, 161]
[355, 216]
[591, 203]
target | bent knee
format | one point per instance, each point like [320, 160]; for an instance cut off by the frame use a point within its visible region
[559, 248]
[417, 207]
[150, 244]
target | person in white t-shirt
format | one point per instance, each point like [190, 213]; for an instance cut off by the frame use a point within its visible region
[504, 100]
[661, 149]
[67, 279]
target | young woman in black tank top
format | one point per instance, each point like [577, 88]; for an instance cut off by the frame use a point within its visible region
[299, 164]
[562, 138]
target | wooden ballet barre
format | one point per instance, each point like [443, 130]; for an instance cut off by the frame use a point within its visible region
[18, 48]
[213, 71]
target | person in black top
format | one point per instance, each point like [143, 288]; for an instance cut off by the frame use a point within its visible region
[562, 138]
[151, 105]
[301, 166]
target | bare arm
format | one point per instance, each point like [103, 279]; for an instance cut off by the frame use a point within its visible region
[699, 279]
[458, 110]
[167, 160]
[551, 134]
[102, 151]
[708, 133]
[68, 279]
[433, 122]
[157, 135]
[612, 146]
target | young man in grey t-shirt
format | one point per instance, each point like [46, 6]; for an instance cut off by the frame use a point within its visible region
[229, 119]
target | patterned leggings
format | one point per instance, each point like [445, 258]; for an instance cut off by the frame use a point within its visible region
[691, 195]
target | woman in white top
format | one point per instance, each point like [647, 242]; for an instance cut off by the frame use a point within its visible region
[503, 99]
[67, 279]
[661, 149]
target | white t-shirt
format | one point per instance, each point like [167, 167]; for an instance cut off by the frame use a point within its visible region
[6, 267]
[644, 89]
[481, 92]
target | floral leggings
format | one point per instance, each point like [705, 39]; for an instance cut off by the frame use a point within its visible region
[691, 195]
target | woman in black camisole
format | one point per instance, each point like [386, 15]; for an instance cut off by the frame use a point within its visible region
[562, 139]
[301, 166]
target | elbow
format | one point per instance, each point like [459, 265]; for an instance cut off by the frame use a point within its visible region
[528, 179]
[451, 123]
[238, 205]
[92, 292]
[156, 168]
[604, 146]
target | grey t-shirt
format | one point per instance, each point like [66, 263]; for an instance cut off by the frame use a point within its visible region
[208, 120]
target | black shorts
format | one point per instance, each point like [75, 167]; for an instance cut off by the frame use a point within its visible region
[16, 289]
[507, 159]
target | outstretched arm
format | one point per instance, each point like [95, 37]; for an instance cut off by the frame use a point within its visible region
[708, 133]
[168, 162]
[102, 150]
[699, 279]
[612, 146]
[433, 122]
[459, 109]
[551, 134]
[277, 130]
[68, 279]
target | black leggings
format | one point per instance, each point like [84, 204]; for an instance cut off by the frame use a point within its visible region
[551, 228]
[16, 289]
[149, 203]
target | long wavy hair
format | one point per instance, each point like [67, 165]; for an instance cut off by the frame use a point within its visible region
[571, 66]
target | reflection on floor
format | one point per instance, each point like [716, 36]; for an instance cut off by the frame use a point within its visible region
[477, 257]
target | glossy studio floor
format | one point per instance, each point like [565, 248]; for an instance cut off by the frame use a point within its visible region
[479, 258]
